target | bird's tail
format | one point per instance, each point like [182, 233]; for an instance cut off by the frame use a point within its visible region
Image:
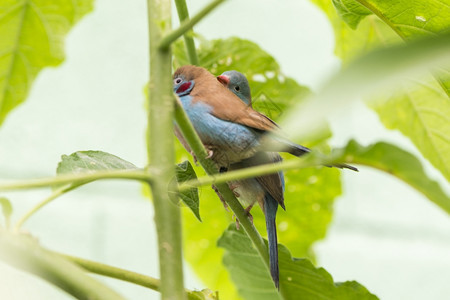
[270, 211]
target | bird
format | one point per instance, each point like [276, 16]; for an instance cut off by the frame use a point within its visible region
[230, 129]
[266, 190]
[233, 134]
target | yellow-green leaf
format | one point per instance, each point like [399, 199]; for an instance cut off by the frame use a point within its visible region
[32, 37]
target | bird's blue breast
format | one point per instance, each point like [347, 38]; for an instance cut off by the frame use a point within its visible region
[228, 136]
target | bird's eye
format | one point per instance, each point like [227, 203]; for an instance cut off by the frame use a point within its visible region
[237, 88]
[177, 80]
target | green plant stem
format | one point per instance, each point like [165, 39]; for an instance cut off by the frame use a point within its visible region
[183, 14]
[306, 162]
[76, 178]
[55, 194]
[160, 150]
[114, 272]
[187, 25]
[196, 145]
[23, 252]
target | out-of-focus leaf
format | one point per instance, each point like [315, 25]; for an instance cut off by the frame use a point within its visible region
[421, 112]
[378, 70]
[299, 279]
[397, 162]
[418, 110]
[89, 161]
[206, 294]
[24, 252]
[6, 210]
[185, 172]
[32, 37]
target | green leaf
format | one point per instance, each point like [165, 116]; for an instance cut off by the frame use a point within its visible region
[32, 37]
[397, 162]
[378, 70]
[418, 110]
[421, 112]
[299, 279]
[351, 11]
[6, 210]
[272, 92]
[89, 161]
[185, 172]
[23, 252]
[308, 213]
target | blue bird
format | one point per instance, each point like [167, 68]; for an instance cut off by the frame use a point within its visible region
[233, 134]
[267, 190]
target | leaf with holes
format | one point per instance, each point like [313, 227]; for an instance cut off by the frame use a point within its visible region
[91, 161]
[32, 37]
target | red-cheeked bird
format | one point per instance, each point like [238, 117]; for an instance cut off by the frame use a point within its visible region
[232, 131]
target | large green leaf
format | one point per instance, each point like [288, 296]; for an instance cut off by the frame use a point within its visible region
[421, 112]
[418, 110]
[309, 193]
[397, 162]
[32, 37]
[299, 279]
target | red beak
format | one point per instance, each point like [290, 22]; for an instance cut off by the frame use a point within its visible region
[223, 79]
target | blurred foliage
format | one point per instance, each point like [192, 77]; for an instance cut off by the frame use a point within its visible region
[419, 110]
[299, 279]
[397, 162]
[309, 192]
[32, 37]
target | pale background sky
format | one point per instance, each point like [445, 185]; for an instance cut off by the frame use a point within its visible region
[384, 234]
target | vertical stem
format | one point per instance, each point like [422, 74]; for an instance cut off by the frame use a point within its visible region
[183, 14]
[161, 152]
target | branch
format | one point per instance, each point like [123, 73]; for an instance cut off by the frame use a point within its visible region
[76, 179]
[160, 151]
[113, 272]
[187, 25]
[306, 162]
[183, 14]
[196, 145]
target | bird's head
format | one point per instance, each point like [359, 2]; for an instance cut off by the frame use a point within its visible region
[184, 78]
[237, 83]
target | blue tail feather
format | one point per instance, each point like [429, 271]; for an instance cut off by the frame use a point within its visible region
[270, 212]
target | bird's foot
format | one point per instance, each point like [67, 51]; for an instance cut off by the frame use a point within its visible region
[225, 205]
[233, 187]
[249, 216]
[194, 157]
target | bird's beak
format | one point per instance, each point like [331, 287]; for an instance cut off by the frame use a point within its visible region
[223, 79]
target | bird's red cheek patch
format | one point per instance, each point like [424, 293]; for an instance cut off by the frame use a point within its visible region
[184, 87]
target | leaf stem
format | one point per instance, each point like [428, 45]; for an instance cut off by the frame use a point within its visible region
[55, 194]
[183, 15]
[306, 162]
[114, 272]
[76, 178]
[187, 25]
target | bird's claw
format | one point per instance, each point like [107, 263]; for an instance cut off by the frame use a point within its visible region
[249, 215]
